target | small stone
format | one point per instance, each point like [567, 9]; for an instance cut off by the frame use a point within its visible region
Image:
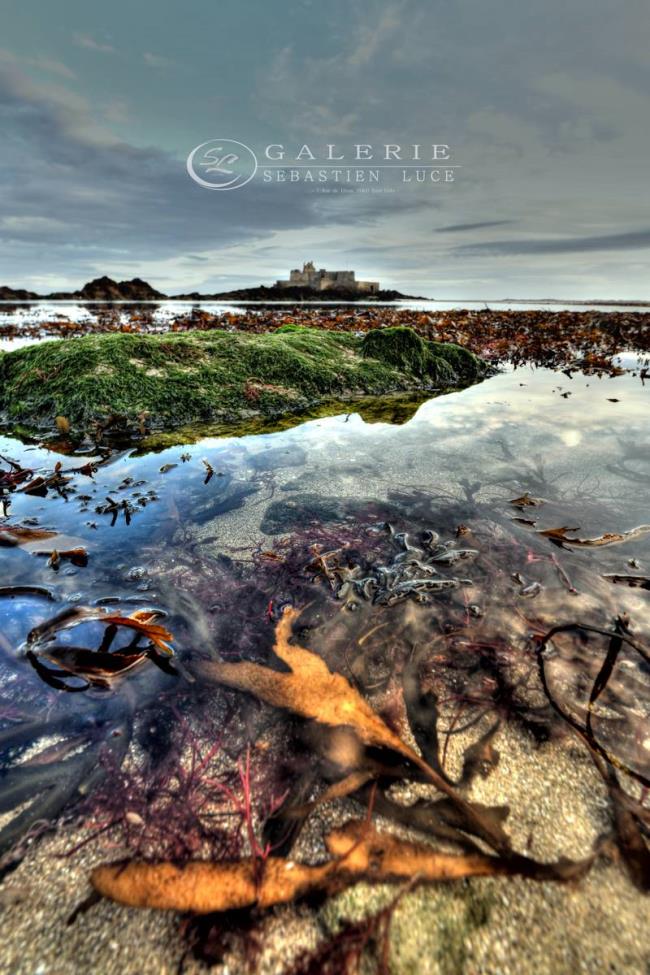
[136, 572]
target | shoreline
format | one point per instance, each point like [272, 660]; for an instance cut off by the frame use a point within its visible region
[227, 298]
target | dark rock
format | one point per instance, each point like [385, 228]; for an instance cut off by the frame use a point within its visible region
[273, 294]
[105, 289]
[293, 514]
[16, 294]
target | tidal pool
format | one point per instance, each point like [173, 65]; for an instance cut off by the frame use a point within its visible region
[441, 551]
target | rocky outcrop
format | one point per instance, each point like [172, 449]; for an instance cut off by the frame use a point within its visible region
[16, 294]
[293, 294]
[105, 289]
[162, 382]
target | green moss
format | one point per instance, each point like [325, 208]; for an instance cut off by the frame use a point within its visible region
[399, 347]
[404, 349]
[215, 376]
[461, 360]
[293, 327]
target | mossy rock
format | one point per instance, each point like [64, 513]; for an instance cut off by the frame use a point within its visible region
[293, 327]
[168, 381]
[404, 349]
[399, 346]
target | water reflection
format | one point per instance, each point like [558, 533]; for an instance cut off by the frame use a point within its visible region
[586, 455]
[454, 593]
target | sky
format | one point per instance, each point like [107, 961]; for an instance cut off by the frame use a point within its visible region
[544, 107]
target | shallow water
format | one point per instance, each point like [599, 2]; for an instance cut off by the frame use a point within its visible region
[514, 432]
[222, 553]
[461, 458]
[160, 314]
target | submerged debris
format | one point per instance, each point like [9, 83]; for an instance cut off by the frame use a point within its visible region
[635, 582]
[357, 851]
[76, 556]
[14, 535]
[559, 537]
[99, 666]
[411, 573]
[631, 816]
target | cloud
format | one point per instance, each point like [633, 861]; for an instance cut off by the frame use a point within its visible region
[85, 40]
[560, 245]
[54, 67]
[25, 103]
[456, 228]
[117, 110]
[156, 60]
[80, 201]
[40, 63]
[17, 226]
[553, 143]
[376, 34]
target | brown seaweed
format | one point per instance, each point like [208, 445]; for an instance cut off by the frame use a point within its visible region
[635, 582]
[312, 691]
[559, 537]
[631, 819]
[358, 852]
[98, 667]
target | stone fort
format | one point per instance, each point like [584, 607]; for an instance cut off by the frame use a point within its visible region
[322, 280]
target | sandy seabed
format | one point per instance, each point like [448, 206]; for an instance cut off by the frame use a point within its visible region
[488, 926]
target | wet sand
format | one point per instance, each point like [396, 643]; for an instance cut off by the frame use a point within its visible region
[487, 926]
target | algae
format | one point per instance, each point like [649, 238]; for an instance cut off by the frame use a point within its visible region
[399, 347]
[166, 381]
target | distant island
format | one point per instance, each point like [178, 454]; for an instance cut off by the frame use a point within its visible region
[100, 289]
[307, 284]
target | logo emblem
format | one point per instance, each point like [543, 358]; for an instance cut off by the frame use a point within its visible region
[222, 164]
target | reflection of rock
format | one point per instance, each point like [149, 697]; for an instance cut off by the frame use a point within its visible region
[296, 513]
[397, 409]
[310, 480]
[275, 458]
[224, 493]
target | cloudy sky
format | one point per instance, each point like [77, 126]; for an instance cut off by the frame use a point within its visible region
[544, 106]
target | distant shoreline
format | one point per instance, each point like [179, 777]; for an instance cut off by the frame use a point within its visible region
[137, 290]
[450, 304]
[105, 290]
[362, 302]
